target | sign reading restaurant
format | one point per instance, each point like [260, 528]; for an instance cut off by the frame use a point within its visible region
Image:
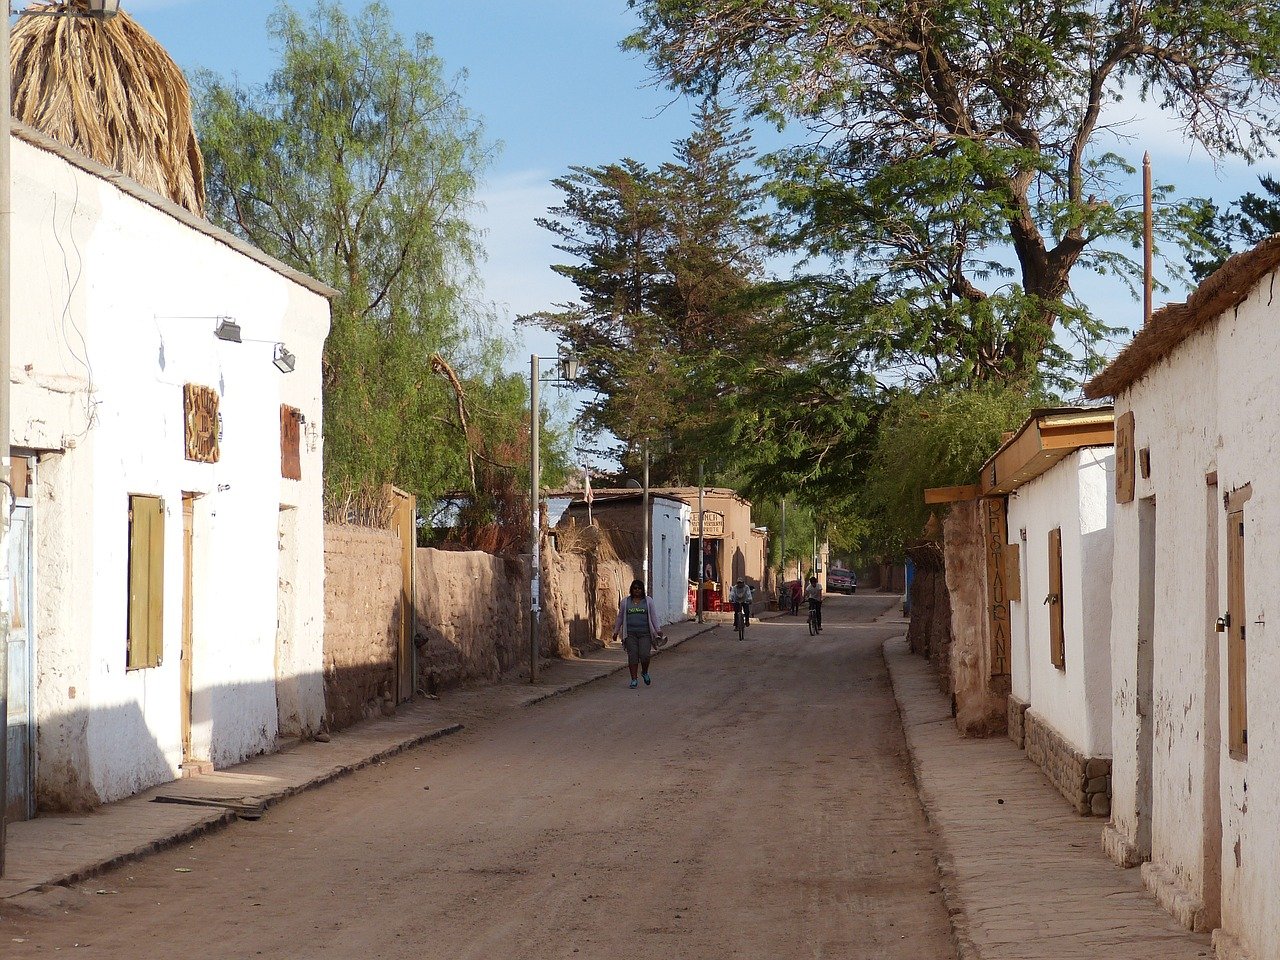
[715, 525]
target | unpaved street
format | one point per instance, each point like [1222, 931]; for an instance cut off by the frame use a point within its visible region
[753, 803]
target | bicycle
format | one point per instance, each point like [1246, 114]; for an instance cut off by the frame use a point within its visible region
[815, 625]
[739, 621]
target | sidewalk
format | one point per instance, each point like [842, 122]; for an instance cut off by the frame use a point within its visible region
[58, 850]
[1024, 877]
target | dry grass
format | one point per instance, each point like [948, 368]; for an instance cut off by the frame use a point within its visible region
[109, 90]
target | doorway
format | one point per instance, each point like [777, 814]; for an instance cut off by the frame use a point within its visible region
[20, 750]
[1146, 670]
[1212, 893]
[188, 629]
[288, 709]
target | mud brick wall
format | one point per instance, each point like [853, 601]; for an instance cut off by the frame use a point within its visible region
[979, 699]
[1018, 720]
[471, 616]
[361, 622]
[1084, 781]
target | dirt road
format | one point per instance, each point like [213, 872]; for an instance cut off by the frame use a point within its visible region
[753, 803]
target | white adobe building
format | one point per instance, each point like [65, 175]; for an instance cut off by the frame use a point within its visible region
[1057, 472]
[168, 539]
[1196, 724]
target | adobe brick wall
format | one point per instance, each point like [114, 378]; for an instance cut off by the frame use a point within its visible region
[361, 622]
[1018, 720]
[1084, 781]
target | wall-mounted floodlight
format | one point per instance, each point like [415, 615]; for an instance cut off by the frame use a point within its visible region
[284, 360]
[227, 329]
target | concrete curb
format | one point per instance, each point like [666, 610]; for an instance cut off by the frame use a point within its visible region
[957, 915]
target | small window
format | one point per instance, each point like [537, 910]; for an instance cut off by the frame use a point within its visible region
[1237, 699]
[1057, 643]
[146, 582]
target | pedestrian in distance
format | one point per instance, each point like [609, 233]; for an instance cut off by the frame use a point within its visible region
[795, 591]
[813, 594]
[638, 626]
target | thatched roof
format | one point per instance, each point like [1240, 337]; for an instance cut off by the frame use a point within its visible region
[1222, 290]
[109, 90]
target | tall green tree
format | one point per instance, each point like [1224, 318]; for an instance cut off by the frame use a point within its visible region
[663, 260]
[357, 163]
[955, 157]
[1244, 223]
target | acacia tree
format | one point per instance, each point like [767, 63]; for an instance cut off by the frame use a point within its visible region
[1245, 223]
[357, 163]
[663, 260]
[955, 160]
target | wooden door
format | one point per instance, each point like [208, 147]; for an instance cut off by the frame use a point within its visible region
[1237, 687]
[188, 536]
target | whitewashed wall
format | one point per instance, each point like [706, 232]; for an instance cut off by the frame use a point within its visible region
[1075, 495]
[1209, 408]
[114, 307]
[669, 551]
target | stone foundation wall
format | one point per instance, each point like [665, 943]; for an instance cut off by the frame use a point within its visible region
[1018, 720]
[1084, 781]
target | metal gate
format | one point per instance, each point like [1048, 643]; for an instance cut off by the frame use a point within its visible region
[20, 749]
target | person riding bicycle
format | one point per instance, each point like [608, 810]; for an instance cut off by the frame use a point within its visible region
[813, 593]
[740, 596]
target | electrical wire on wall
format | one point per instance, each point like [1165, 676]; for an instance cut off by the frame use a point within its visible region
[68, 322]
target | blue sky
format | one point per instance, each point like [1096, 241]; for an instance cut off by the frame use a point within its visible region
[551, 84]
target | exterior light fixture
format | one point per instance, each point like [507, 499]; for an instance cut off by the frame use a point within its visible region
[97, 10]
[568, 367]
[283, 359]
[227, 329]
[103, 9]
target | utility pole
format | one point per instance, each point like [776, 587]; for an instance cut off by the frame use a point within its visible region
[701, 519]
[782, 549]
[1148, 238]
[535, 532]
[6, 233]
[648, 582]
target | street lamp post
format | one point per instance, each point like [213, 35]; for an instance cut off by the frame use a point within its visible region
[98, 10]
[566, 372]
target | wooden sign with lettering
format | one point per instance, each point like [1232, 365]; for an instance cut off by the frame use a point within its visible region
[995, 534]
[1125, 456]
[201, 408]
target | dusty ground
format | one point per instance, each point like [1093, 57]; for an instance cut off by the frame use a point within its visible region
[753, 803]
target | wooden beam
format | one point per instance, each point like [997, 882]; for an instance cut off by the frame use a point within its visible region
[952, 494]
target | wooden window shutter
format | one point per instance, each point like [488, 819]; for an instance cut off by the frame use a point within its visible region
[290, 443]
[1125, 458]
[200, 407]
[1057, 644]
[1013, 570]
[1237, 663]
[146, 582]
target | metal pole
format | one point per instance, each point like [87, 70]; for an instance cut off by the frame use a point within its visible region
[783, 548]
[535, 534]
[701, 521]
[1148, 237]
[6, 231]
[648, 586]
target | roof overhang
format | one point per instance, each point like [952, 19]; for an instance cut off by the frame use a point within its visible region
[1046, 438]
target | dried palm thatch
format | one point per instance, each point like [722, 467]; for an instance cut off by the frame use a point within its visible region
[109, 90]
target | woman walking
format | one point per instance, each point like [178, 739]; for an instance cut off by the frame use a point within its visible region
[638, 626]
